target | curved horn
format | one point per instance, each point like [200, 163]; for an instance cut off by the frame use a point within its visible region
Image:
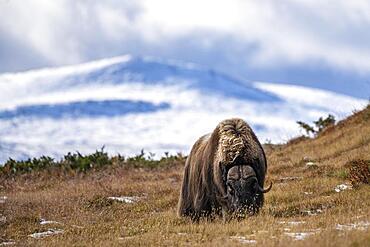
[260, 189]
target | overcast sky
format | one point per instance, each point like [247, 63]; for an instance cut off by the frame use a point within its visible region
[317, 43]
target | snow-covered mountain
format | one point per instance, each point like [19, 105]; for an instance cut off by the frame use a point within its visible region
[131, 103]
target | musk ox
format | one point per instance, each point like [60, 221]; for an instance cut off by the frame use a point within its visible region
[224, 173]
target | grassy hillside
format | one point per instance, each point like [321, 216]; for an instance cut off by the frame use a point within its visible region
[69, 199]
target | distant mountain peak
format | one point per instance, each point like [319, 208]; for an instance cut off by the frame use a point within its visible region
[130, 103]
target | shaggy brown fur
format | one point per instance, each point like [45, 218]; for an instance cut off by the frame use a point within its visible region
[203, 189]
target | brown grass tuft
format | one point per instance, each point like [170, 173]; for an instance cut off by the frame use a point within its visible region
[359, 171]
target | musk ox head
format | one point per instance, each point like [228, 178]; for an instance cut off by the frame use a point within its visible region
[243, 191]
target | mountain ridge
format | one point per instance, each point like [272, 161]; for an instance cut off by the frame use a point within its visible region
[176, 94]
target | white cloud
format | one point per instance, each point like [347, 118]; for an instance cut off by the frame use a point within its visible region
[333, 32]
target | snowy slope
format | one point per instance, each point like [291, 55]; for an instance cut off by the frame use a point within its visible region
[131, 103]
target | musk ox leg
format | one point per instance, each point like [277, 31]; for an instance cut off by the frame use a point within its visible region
[202, 207]
[184, 205]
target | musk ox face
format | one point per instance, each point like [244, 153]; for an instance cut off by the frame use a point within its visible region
[241, 185]
[243, 191]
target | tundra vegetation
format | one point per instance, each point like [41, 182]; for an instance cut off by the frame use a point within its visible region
[320, 197]
[320, 125]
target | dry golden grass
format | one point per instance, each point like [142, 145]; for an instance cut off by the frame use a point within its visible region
[302, 200]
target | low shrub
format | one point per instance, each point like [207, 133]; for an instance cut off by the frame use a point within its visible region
[80, 163]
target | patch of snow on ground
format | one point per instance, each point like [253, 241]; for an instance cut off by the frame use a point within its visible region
[312, 212]
[299, 235]
[125, 199]
[311, 165]
[45, 222]
[10, 242]
[126, 238]
[243, 240]
[292, 222]
[342, 187]
[362, 225]
[48, 233]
